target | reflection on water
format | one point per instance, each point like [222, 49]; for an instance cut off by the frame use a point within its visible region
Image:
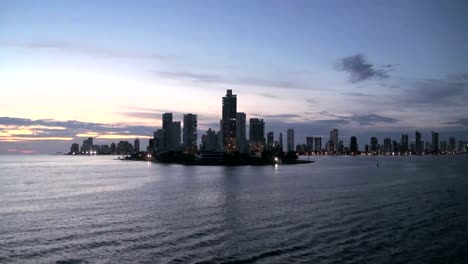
[58, 209]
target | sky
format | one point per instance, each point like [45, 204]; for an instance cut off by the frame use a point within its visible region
[109, 69]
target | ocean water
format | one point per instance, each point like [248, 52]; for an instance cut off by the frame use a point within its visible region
[69, 209]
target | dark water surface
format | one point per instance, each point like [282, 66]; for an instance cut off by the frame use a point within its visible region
[56, 209]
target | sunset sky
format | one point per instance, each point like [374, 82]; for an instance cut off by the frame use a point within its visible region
[109, 69]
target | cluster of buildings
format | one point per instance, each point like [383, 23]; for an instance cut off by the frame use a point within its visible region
[232, 137]
[177, 136]
[88, 148]
[403, 146]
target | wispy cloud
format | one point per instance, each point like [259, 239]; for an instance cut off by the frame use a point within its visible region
[359, 69]
[83, 49]
[357, 94]
[431, 92]
[361, 119]
[284, 116]
[156, 113]
[268, 95]
[22, 129]
[218, 78]
[459, 122]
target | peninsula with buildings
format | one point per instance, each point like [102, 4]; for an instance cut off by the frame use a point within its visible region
[177, 143]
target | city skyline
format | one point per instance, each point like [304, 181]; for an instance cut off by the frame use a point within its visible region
[231, 140]
[63, 82]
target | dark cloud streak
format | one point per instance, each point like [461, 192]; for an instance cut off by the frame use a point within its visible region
[360, 70]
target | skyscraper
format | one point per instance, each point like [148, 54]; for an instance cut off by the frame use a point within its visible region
[443, 146]
[87, 146]
[318, 144]
[173, 136]
[228, 121]
[418, 142]
[290, 139]
[241, 139]
[387, 145]
[190, 133]
[166, 120]
[136, 145]
[75, 148]
[310, 144]
[160, 140]
[334, 140]
[404, 143]
[209, 140]
[353, 145]
[270, 139]
[281, 141]
[460, 145]
[452, 144]
[257, 135]
[395, 146]
[435, 142]
[373, 144]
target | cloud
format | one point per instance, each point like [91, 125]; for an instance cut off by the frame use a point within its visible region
[357, 94]
[195, 77]
[361, 119]
[83, 49]
[371, 119]
[22, 129]
[459, 121]
[360, 70]
[277, 116]
[268, 95]
[431, 92]
[156, 114]
[217, 78]
[311, 101]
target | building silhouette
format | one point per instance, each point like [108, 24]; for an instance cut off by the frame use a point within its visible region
[136, 145]
[75, 148]
[353, 145]
[309, 144]
[387, 145]
[281, 142]
[443, 146]
[160, 140]
[113, 148]
[209, 141]
[395, 146]
[334, 140]
[173, 136]
[241, 139]
[434, 142]
[451, 144]
[461, 146]
[87, 145]
[418, 145]
[190, 133]
[290, 139]
[404, 143]
[374, 145]
[257, 135]
[318, 144]
[270, 140]
[168, 137]
[228, 121]
[150, 147]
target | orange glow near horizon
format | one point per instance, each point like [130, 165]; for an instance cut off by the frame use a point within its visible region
[17, 139]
